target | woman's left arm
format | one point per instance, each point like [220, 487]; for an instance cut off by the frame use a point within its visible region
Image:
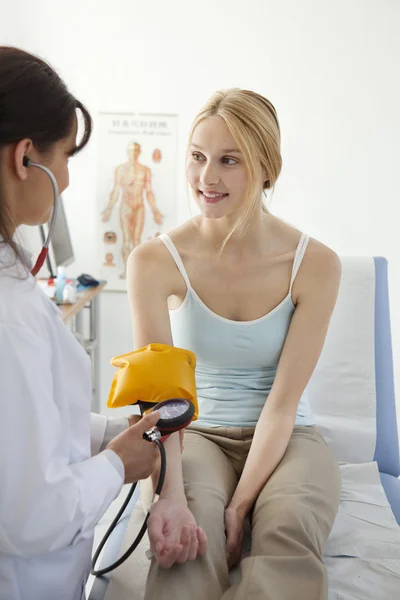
[316, 289]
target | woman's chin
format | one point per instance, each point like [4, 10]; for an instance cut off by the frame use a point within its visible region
[216, 213]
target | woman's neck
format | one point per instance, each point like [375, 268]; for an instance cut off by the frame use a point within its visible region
[254, 240]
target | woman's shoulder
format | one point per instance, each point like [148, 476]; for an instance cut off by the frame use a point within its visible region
[155, 251]
[315, 252]
[319, 262]
[153, 260]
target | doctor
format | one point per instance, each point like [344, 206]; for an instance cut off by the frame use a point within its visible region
[60, 466]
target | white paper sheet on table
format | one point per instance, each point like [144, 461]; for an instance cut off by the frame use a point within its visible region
[365, 526]
[362, 556]
[359, 579]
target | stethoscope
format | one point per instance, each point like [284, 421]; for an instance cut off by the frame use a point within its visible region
[176, 414]
[44, 251]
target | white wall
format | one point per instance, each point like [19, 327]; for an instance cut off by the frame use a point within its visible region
[330, 68]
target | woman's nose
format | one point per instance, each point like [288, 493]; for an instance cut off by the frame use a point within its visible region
[209, 175]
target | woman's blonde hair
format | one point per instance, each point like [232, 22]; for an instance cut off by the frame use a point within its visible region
[253, 123]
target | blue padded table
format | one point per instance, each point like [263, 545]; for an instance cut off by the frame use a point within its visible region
[387, 438]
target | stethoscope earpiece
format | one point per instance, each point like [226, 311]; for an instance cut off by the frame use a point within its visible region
[42, 256]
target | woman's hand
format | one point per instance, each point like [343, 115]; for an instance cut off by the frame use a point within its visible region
[234, 528]
[174, 534]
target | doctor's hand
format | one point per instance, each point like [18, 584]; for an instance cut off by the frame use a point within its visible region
[132, 419]
[174, 534]
[140, 457]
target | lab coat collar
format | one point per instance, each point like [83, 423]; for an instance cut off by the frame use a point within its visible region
[10, 262]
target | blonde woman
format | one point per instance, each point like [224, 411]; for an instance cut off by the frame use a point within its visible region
[252, 297]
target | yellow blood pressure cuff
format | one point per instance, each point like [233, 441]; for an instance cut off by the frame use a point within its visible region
[154, 373]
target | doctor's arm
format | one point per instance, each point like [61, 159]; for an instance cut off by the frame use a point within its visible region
[104, 429]
[45, 502]
[318, 285]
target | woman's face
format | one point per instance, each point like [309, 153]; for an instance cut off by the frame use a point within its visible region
[38, 197]
[216, 170]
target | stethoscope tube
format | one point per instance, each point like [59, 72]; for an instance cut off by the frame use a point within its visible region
[152, 436]
[134, 545]
[43, 253]
[167, 424]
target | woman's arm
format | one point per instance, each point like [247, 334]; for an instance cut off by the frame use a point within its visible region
[150, 283]
[149, 286]
[317, 290]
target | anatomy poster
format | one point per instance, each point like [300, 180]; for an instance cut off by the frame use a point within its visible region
[136, 181]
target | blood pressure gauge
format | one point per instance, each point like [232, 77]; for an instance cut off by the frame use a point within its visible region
[176, 413]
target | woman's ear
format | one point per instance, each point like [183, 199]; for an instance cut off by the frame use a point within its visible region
[265, 179]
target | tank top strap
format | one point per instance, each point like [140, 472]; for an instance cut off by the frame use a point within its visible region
[300, 251]
[175, 255]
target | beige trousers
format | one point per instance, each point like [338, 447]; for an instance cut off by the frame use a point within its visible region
[290, 522]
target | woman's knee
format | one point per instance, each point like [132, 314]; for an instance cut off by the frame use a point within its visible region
[207, 506]
[290, 526]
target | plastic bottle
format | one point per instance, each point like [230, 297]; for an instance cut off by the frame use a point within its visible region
[69, 294]
[60, 284]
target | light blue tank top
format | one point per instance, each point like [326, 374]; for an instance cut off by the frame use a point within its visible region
[236, 360]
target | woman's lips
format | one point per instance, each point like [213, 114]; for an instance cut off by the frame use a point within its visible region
[213, 198]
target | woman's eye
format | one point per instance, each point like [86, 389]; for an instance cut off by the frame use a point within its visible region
[229, 161]
[197, 156]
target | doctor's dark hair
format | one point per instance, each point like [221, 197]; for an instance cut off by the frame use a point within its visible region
[36, 104]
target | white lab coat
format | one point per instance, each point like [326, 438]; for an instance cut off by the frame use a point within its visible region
[52, 491]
